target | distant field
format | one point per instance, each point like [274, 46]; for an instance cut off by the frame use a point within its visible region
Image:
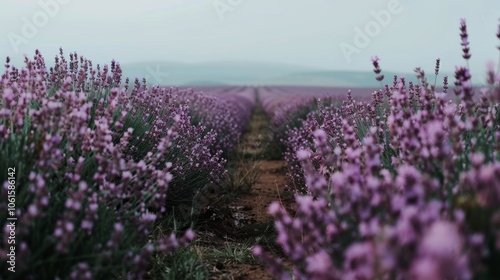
[247, 73]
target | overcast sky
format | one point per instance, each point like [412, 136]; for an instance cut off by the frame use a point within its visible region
[318, 33]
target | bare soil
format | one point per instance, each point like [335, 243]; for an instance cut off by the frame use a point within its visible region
[244, 221]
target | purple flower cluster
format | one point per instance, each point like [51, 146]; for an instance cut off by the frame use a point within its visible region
[226, 113]
[286, 109]
[404, 186]
[96, 160]
[302, 137]
[208, 127]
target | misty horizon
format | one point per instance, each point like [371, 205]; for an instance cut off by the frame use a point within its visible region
[323, 35]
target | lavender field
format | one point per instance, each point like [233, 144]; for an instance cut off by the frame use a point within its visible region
[263, 171]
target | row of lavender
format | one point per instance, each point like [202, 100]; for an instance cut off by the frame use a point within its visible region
[286, 108]
[91, 165]
[403, 186]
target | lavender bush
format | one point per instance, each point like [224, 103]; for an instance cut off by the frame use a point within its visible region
[402, 187]
[286, 111]
[96, 163]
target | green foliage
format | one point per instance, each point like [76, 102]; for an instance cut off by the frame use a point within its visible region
[181, 264]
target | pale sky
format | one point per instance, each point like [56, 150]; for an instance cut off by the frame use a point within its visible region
[301, 32]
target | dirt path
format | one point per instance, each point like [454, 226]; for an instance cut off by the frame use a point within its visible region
[245, 222]
[270, 184]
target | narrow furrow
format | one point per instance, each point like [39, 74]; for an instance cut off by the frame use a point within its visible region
[266, 180]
